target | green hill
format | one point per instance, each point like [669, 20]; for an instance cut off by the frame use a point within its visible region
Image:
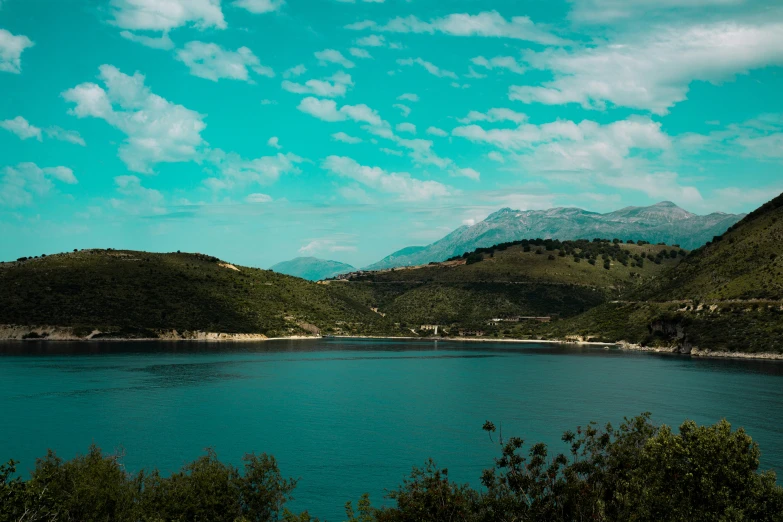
[523, 278]
[137, 293]
[725, 296]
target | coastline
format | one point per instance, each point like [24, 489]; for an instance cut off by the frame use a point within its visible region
[68, 334]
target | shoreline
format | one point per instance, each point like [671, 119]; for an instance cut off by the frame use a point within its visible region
[66, 334]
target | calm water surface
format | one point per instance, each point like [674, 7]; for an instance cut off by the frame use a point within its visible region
[350, 417]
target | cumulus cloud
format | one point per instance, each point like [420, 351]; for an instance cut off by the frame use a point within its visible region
[499, 62]
[346, 138]
[258, 198]
[494, 115]
[468, 173]
[619, 154]
[327, 110]
[406, 127]
[487, 24]
[334, 86]
[328, 56]
[260, 6]
[11, 49]
[22, 128]
[653, 70]
[21, 183]
[236, 171]
[61, 134]
[404, 109]
[602, 11]
[155, 42]
[435, 131]
[274, 142]
[428, 66]
[137, 199]
[165, 15]
[295, 71]
[359, 53]
[400, 184]
[157, 131]
[212, 62]
[373, 40]
[408, 97]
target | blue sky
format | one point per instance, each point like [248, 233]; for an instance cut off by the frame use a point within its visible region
[261, 130]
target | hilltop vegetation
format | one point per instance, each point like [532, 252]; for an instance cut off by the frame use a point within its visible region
[524, 278]
[725, 296]
[136, 293]
[638, 471]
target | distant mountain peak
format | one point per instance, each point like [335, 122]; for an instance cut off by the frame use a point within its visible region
[312, 268]
[661, 222]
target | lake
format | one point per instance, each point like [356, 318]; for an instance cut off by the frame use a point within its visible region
[353, 416]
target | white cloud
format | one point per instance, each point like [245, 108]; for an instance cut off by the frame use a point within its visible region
[488, 24]
[408, 97]
[653, 70]
[406, 127]
[22, 128]
[137, 199]
[165, 15]
[267, 101]
[496, 156]
[258, 198]
[274, 142]
[625, 153]
[428, 66]
[157, 130]
[236, 171]
[20, 184]
[11, 49]
[346, 138]
[328, 56]
[359, 53]
[499, 62]
[334, 86]
[260, 6]
[295, 71]
[435, 131]
[391, 152]
[322, 245]
[327, 110]
[404, 109]
[212, 62]
[468, 173]
[161, 42]
[65, 135]
[401, 184]
[373, 40]
[602, 11]
[494, 115]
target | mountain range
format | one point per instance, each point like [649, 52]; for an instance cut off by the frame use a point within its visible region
[663, 222]
[312, 268]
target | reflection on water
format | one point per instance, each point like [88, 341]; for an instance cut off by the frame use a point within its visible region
[350, 416]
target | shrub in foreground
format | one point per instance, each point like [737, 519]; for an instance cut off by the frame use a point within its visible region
[637, 472]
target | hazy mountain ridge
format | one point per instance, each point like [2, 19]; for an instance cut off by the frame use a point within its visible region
[312, 268]
[662, 222]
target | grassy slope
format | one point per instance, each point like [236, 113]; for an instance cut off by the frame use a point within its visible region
[506, 282]
[138, 290]
[725, 296]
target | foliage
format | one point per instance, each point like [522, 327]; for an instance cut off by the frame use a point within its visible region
[639, 471]
[96, 487]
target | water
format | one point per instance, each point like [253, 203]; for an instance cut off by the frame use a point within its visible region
[350, 417]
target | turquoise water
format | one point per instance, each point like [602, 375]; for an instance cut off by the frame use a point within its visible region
[350, 417]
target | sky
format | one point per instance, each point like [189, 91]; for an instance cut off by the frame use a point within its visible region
[262, 130]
